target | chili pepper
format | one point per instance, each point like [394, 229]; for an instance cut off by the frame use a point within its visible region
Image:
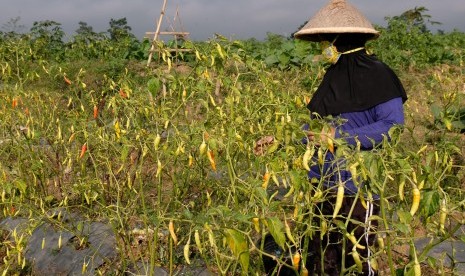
[275, 178]
[288, 232]
[122, 94]
[266, 180]
[71, 138]
[211, 236]
[95, 111]
[422, 149]
[304, 271]
[381, 243]
[306, 99]
[186, 251]
[415, 200]
[320, 156]
[357, 260]
[83, 150]
[442, 216]
[330, 142]
[158, 168]
[296, 211]
[156, 142]
[401, 188]
[354, 240]
[256, 224]
[339, 199]
[290, 192]
[197, 241]
[59, 242]
[416, 266]
[363, 202]
[172, 232]
[323, 228]
[353, 171]
[117, 129]
[318, 194]
[203, 147]
[296, 260]
[306, 158]
[67, 81]
[211, 158]
[191, 160]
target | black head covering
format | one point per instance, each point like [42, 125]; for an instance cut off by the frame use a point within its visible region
[358, 81]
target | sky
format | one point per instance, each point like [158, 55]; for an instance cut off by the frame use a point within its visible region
[234, 19]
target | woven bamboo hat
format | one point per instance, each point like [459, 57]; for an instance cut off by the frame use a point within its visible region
[335, 18]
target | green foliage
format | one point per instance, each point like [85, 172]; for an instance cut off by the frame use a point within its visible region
[47, 40]
[281, 52]
[143, 126]
[406, 41]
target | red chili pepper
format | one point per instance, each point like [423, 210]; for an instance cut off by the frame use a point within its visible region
[83, 150]
[123, 94]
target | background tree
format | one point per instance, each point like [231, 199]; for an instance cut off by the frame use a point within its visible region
[119, 29]
[12, 28]
[47, 39]
[416, 17]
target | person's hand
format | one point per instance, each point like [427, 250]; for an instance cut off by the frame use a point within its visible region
[322, 136]
[262, 145]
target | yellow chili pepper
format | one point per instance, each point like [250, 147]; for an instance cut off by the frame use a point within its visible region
[156, 142]
[256, 224]
[339, 199]
[306, 158]
[190, 161]
[415, 200]
[330, 144]
[172, 232]
[197, 241]
[323, 228]
[354, 240]
[288, 232]
[202, 147]
[416, 266]
[186, 251]
[401, 188]
[442, 216]
[357, 260]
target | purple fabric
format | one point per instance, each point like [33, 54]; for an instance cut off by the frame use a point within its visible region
[369, 127]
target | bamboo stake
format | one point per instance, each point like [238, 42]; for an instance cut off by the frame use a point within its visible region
[155, 38]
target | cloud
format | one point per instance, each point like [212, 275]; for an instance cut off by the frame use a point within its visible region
[239, 19]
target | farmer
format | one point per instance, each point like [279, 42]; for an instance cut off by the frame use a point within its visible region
[367, 97]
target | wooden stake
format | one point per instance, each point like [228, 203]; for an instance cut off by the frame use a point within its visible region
[155, 38]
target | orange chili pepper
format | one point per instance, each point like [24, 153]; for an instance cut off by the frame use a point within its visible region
[211, 158]
[15, 102]
[123, 94]
[67, 81]
[83, 150]
[95, 112]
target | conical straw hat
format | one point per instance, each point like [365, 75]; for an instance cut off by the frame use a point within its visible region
[335, 18]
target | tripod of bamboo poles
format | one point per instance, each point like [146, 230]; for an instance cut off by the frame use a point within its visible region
[157, 33]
